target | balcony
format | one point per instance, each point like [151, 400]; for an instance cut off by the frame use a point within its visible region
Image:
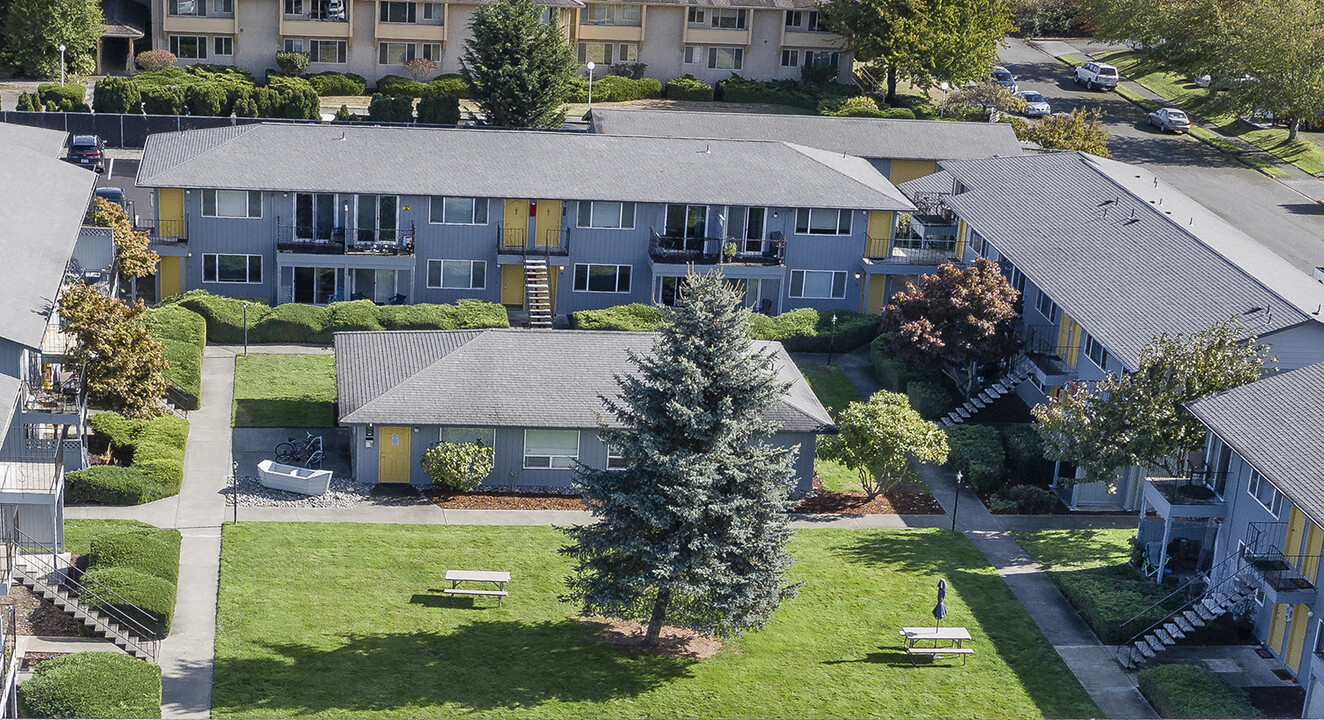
[1051, 364]
[316, 18]
[517, 241]
[673, 250]
[34, 475]
[1285, 578]
[336, 241]
[165, 232]
[909, 251]
[65, 404]
[1185, 497]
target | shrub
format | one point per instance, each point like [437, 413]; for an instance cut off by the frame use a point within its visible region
[157, 468]
[224, 316]
[1050, 18]
[818, 74]
[1186, 691]
[222, 74]
[116, 95]
[781, 92]
[245, 106]
[288, 323]
[107, 485]
[858, 106]
[465, 314]
[689, 88]
[614, 88]
[459, 466]
[439, 108]
[154, 551]
[292, 63]
[162, 100]
[67, 98]
[450, 84]
[206, 99]
[419, 68]
[977, 453]
[344, 115]
[897, 113]
[389, 108]
[1025, 455]
[334, 83]
[346, 317]
[153, 60]
[1106, 598]
[294, 99]
[184, 335]
[27, 103]
[396, 86]
[1000, 506]
[150, 600]
[895, 375]
[630, 70]
[931, 400]
[1026, 499]
[634, 317]
[91, 685]
[807, 330]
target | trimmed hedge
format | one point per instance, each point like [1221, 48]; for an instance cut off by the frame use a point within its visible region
[976, 451]
[895, 375]
[184, 335]
[92, 685]
[142, 566]
[439, 108]
[930, 399]
[215, 90]
[466, 314]
[67, 98]
[781, 92]
[689, 88]
[1024, 499]
[1186, 691]
[335, 83]
[157, 469]
[634, 317]
[614, 88]
[147, 600]
[1025, 455]
[116, 95]
[800, 330]
[288, 323]
[391, 108]
[452, 84]
[1107, 597]
[154, 551]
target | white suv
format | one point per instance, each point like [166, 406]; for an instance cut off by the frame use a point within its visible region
[1096, 75]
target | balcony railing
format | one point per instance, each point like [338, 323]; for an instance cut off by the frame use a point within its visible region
[517, 241]
[164, 231]
[909, 251]
[1281, 572]
[67, 399]
[932, 208]
[716, 251]
[40, 469]
[320, 11]
[344, 241]
[1194, 495]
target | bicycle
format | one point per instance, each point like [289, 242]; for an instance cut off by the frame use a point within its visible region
[298, 452]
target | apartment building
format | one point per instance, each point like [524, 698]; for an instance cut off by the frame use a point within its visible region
[1107, 256]
[318, 214]
[760, 40]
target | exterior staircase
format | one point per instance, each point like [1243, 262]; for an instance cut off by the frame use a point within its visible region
[1214, 602]
[537, 293]
[1021, 369]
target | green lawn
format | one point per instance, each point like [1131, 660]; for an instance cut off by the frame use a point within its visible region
[835, 391]
[78, 534]
[345, 620]
[1181, 91]
[284, 390]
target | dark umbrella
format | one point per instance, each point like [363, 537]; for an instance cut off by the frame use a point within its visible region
[940, 610]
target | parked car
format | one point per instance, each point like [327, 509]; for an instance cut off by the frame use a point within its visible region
[87, 151]
[1204, 81]
[1096, 75]
[1170, 120]
[1035, 104]
[1003, 77]
[112, 195]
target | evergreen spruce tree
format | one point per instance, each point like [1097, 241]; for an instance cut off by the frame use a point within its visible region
[518, 69]
[692, 532]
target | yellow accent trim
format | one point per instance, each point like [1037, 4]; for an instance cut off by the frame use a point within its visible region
[1278, 627]
[172, 277]
[1064, 335]
[170, 205]
[512, 286]
[1073, 346]
[393, 454]
[1296, 640]
[548, 224]
[960, 239]
[877, 298]
[880, 227]
[1296, 532]
[1314, 546]
[903, 170]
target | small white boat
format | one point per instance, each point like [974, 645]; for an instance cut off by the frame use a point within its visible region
[293, 478]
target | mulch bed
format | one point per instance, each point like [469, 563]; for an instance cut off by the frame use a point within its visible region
[32, 659]
[672, 641]
[34, 616]
[1278, 701]
[889, 503]
[503, 501]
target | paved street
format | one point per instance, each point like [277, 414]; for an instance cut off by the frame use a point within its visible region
[1282, 219]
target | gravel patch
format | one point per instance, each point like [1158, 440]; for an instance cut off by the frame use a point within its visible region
[344, 493]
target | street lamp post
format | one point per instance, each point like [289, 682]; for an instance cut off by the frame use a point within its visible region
[832, 340]
[62, 48]
[957, 502]
[590, 67]
[234, 489]
[945, 87]
[245, 329]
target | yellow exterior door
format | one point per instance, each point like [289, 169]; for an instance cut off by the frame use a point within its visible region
[553, 273]
[1296, 639]
[1310, 555]
[515, 225]
[170, 212]
[393, 454]
[172, 276]
[880, 234]
[512, 285]
[877, 295]
[1068, 340]
[549, 224]
[1278, 627]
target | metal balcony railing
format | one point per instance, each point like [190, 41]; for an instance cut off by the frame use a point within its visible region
[172, 232]
[339, 240]
[909, 250]
[520, 241]
[1263, 553]
[716, 251]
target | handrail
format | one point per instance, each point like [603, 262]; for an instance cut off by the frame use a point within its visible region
[1183, 589]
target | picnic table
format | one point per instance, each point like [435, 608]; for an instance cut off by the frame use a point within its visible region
[953, 639]
[497, 578]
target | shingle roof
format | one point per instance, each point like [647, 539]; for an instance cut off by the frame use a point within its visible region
[512, 164]
[512, 378]
[892, 139]
[42, 203]
[1277, 425]
[1093, 235]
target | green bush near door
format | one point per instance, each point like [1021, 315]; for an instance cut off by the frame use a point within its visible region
[1186, 691]
[92, 685]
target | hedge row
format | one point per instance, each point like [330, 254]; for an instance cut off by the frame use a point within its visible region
[1023, 500]
[184, 335]
[298, 323]
[396, 86]
[996, 458]
[976, 451]
[156, 470]
[1186, 691]
[809, 96]
[142, 567]
[689, 88]
[1107, 597]
[336, 83]
[210, 90]
[634, 317]
[800, 330]
[92, 685]
[614, 88]
[435, 108]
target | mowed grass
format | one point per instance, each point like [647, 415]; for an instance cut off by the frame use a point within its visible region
[835, 391]
[78, 534]
[345, 620]
[272, 390]
[1060, 551]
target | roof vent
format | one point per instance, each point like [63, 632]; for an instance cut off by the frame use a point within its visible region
[707, 150]
[342, 136]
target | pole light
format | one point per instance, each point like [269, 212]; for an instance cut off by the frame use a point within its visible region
[234, 491]
[832, 340]
[945, 87]
[62, 48]
[590, 67]
[956, 503]
[245, 329]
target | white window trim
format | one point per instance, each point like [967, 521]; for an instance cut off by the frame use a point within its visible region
[1054, 312]
[1102, 361]
[809, 226]
[802, 296]
[613, 455]
[441, 263]
[579, 443]
[588, 280]
[634, 213]
[433, 199]
[248, 207]
[1253, 482]
[247, 273]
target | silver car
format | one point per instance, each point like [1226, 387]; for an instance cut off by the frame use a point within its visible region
[1035, 104]
[1170, 120]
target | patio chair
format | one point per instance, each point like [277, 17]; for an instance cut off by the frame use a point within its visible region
[1153, 554]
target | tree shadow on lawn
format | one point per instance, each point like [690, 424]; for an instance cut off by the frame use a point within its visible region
[483, 666]
[1088, 547]
[1015, 638]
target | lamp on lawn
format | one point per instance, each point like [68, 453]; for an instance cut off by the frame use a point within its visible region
[945, 87]
[957, 502]
[590, 67]
[245, 329]
[832, 340]
[62, 49]
[234, 489]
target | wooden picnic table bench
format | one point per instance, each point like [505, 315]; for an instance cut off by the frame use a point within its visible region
[954, 636]
[497, 578]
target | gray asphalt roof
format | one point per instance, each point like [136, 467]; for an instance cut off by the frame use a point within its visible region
[512, 378]
[892, 139]
[1277, 425]
[939, 182]
[47, 142]
[512, 164]
[1115, 260]
[42, 203]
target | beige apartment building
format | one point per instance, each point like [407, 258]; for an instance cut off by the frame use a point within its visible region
[759, 39]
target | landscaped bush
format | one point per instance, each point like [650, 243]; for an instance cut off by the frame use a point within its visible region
[895, 375]
[67, 98]
[807, 330]
[1108, 597]
[156, 470]
[439, 108]
[614, 88]
[391, 108]
[335, 83]
[930, 399]
[976, 451]
[184, 335]
[1025, 455]
[897, 113]
[780, 92]
[92, 685]
[224, 316]
[154, 551]
[108, 485]
[163, 100]
[1186, 691]
[206, 99]
[292, 63]
[451, 84]
[288, 323]
[634, 317]
[296, 99]
[1024, 499]
[116, 95]
[347, 317]
[153, 60]
[396, 86]
[467, 314]
[689, 88]
[147, 600]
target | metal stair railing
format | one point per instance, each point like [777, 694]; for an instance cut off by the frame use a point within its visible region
[91, 595]
[1188, 599]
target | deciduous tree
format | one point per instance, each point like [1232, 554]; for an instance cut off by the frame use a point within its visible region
[880, 437]
[692, 531]
[35, 30]
[1140, 418]
[518, 69]
[124, 365]
[989, 95]
[955, 320]
[134, 257]
[1081, 130]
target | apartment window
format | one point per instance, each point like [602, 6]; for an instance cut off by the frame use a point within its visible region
[294, 45]
[398, 12]
[815, 23]
[394, 53]
[432, 51]
[223, 45]
[806, 20]
[693, 54]
[1014, 275]
[727, 18]
[232, 203]
[189, 47]
[324, 51]
[1094, 351]
[231, 268]
[553, 449]
[483, 436]
[615, 458]
[314, 285]
[1217, 460]
[611, 14]
[222, 7]
[746, 224]
[790, 58]
[458, 211]
[433, 11]
[726, 58]
[602, 278]
[607, 53]
[695, 16]
[820, 284]
[821, 58]
[819, 221]
[609, 215]
[794, 18]
[1047, 307]
[1264, 492]
[295, 7]
[686, 221]
[457, 274]
[186, 7]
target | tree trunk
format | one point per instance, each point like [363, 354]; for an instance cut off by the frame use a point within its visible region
[891, 85]
[659, 616]
[1292, 128]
